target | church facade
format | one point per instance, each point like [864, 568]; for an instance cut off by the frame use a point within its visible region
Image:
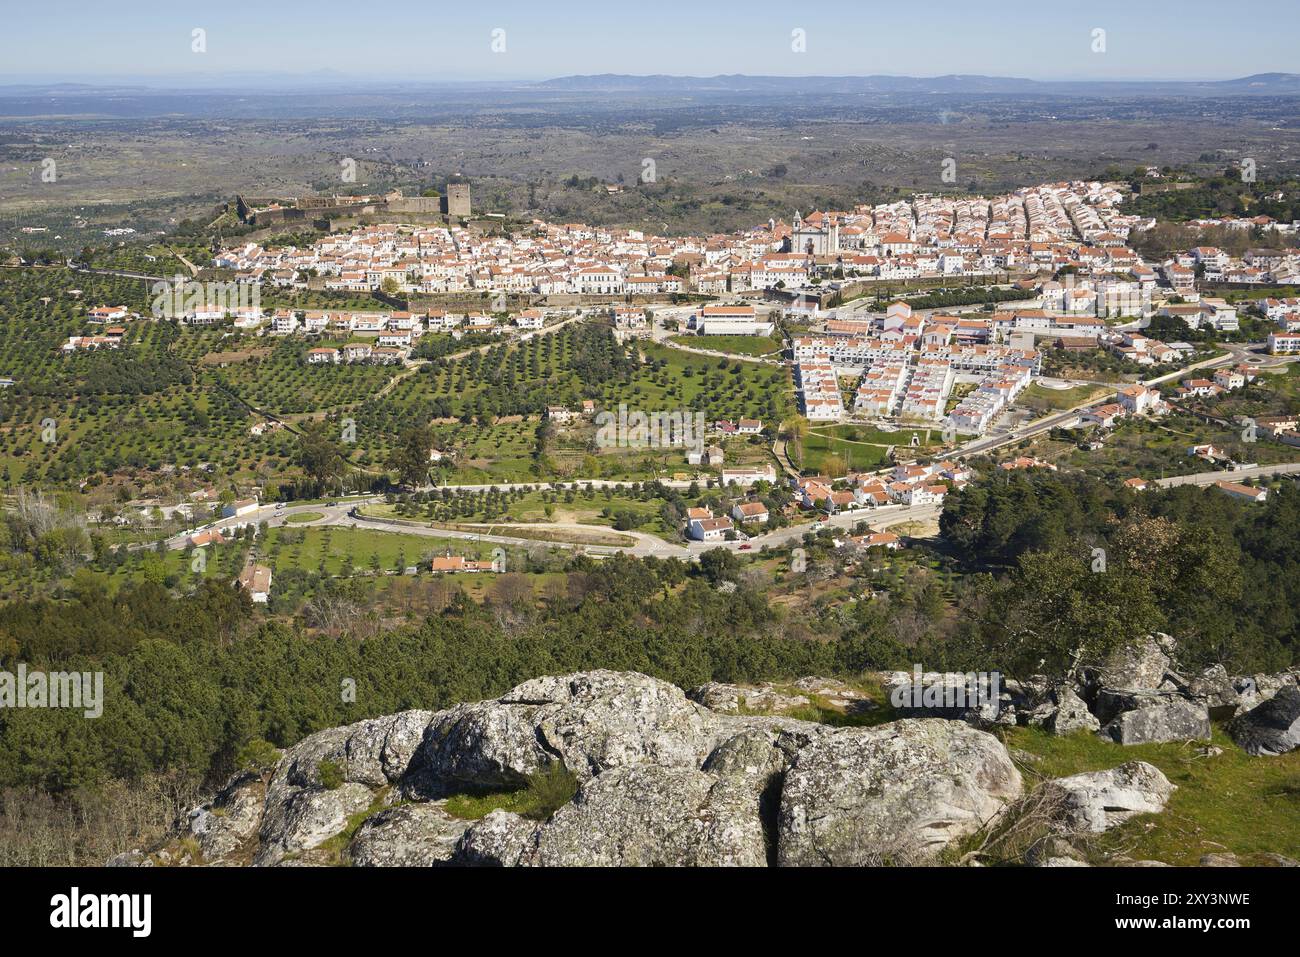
[819, 235]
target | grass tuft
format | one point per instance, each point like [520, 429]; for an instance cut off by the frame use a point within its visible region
[547, 790]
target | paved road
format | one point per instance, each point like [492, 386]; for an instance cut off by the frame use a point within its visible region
[993, 441]
[342, 515]
[1235, 475]
[650, 545]
[645, 544]
[1236, 352]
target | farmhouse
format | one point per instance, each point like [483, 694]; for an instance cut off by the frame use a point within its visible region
[443, 564]
[256, 580]
[212, 537]
[878, 540]
[749, 512]
[1246, 492]
[1105, 415]
[107, 313]
[1140, 399]
[709, 529]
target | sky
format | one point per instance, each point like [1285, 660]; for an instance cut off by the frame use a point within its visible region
[433, 40]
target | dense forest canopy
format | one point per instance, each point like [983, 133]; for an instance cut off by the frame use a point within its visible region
[1083, 557]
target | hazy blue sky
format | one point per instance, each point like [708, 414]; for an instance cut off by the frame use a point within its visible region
[1042, 39]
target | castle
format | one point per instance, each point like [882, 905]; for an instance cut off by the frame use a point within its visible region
[457, 201]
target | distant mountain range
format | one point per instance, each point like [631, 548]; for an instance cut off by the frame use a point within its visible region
[1271, 84]
[716, 87]
[328, 93]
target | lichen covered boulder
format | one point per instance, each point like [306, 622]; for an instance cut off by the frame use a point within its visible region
[897, 793]
[1271, 728]
[1099, 800]
[411, 835]
[591, 722]
[1168, 719]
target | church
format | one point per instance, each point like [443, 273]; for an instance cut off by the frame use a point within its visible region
[818, 235]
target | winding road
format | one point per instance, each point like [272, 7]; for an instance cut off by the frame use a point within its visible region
[344, 514]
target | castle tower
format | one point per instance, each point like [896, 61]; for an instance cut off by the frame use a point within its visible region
[457, 202]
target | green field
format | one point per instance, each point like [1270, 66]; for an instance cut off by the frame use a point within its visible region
[1040, 398]
[599, 507]
[334, 550]
[150, 408]
[858, 448]
[330, 550]
[737, 345]
[488, 409]
[1229, 802]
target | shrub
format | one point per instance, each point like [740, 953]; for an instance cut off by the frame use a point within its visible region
[257, 755]
[331, 774]
[549, 789]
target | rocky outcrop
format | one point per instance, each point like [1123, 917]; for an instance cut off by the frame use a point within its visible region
[734, 699]
[1139, 665]
[771, 698]
[898, 793]
[660, 780]
[307, 817]
[1099, 800]
[837, 694]
[649, 814]
[1270, 728]
[228, 823]
[1138, 697]
[1256, 689]
[1070, 713]
[933, 694]
[1052, 847]
[590, 722]
[412, 835]
[1172, 719]
[375, 752]
[300, 811]
[1217, 691]
[680, 817]
[500, 839]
